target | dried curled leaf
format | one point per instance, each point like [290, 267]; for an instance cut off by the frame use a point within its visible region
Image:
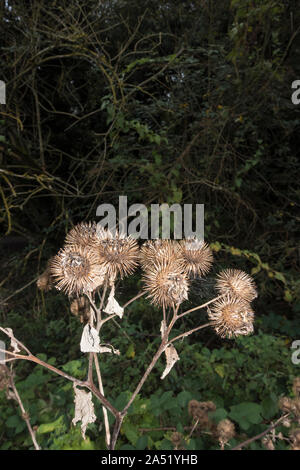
[112, 306]
[84, 409]
[171, 357]
[110, 349]
[90, 341]
[13, 342]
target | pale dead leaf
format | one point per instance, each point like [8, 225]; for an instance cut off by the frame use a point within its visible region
[90, 341]
[109, 349]
[171, 357]
[112, 306]
[84, 409]
[13, 341]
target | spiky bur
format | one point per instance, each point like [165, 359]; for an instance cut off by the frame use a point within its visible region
[237, 284]
[45, 280]
[231, 317]
[76, 270]
[195, 257]
[225, 431]
[82, 234]
[199, 412]
[118, 253]
[155, 251]
[296, 387]
[165, 284]
[295, 439]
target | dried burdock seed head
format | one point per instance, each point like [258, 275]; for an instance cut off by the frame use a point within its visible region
[45, 280]
[193, 408]
[225, 431]
[231, 317]
[237, 284]
[207, 406]
[118, 253]
[195, 257]
[199, 412]
[176, 438]
[268, 443]
[296, 387]
[295, 438]
[157, 251]
[166, 284]
[76, 270]
[81, 307]
[287, 405]
[82, 234]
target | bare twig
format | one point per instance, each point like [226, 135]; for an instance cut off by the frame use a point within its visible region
[25, 414]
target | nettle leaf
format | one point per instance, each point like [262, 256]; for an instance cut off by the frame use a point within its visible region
[50, 427]
[131, 432]
[246, 414]
[84, 409]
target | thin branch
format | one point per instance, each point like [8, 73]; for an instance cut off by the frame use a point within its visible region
[200, 306]
[25, 415]
[262, 434]
[101, 389]
[187, 333]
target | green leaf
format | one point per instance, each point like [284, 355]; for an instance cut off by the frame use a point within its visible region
[246, 414]
[50, 427]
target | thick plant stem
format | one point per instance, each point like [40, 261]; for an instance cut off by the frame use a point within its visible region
[105, 415]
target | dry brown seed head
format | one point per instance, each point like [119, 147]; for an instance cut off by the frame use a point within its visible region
[225, 430]
[296, 386]
[268, 443]
[83, 233]
[295, 436]
[195, 257]
[156, 251]
[287, 404]
[237, 284]
[76, 270]
[165, 284]
[118, 253]
[231, 317]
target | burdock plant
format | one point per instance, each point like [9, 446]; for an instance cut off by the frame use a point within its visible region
[86, 270]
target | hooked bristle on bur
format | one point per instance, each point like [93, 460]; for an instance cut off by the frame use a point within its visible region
[231, 317]
[75, 269]
[83, 233]
[118, 253]
[237, 284]
[155, 251]
[166, 284]
[195, 257]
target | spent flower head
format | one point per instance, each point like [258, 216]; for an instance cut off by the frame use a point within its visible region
[166, 284]
[231, 317]
[156, 251]
[76, 270]
[195, 257]
[118, 253]
[237, 284]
